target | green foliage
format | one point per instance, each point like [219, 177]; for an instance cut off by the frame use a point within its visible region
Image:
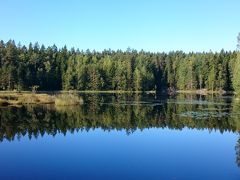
[236, 75]
[238, 40]
[61, 69]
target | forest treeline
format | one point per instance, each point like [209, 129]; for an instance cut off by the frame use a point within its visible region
[51, 68]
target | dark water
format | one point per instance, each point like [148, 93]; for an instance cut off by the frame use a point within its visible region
[123, 137]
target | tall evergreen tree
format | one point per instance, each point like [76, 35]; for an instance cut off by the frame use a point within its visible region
[51, 68]
[236, 75]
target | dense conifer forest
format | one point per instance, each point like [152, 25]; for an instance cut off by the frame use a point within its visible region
[53, 68]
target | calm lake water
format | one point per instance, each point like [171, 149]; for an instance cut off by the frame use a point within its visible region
[123, 137]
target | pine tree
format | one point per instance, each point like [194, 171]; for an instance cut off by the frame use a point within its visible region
[236, 71]
[236, 75]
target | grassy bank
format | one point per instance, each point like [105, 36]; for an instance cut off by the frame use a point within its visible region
[65, 98]
[26, 98]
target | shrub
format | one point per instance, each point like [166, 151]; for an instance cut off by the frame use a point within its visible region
[68, 99]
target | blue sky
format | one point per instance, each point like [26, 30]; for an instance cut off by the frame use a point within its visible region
[152, 25]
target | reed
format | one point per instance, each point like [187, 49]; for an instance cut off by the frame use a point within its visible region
[68, 100]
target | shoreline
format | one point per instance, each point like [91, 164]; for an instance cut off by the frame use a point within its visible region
[206, 92]
[66, 98]
[198, 91]
[29, 98]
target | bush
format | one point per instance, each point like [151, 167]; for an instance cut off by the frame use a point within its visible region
[68, 99]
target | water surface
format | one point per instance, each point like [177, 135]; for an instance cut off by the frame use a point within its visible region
[123, 137]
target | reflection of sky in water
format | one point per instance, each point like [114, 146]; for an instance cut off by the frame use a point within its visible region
[148, 154]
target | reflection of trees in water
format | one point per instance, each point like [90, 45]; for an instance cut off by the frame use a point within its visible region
[120, 112]
[237, 148]
[235, 113]
[123, 113]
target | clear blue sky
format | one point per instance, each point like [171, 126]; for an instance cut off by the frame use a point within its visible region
[152, 25]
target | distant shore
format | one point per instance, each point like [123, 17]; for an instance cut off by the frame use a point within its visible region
[197, 91]
[66, 98]
[205, 92]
